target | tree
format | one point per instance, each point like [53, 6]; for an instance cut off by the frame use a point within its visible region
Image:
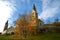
[25, 25]
[57, 20]
[21, 24]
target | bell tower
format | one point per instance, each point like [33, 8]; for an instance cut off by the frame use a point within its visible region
[6, 26]
[34, 17]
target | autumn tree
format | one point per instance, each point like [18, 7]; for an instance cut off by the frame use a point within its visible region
[21, 25]
[26, 25]
[56, 22]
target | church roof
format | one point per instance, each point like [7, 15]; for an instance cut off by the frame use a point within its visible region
[34, 7]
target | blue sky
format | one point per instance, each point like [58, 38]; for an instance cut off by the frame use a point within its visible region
[46, 9]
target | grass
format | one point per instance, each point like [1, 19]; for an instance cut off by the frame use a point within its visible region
[42, 36]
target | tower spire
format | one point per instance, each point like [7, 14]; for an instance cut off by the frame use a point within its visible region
[34, 8]
[6, 25]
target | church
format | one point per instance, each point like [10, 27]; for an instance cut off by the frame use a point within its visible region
[33, 23]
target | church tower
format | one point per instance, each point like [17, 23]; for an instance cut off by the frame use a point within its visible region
[6, 26]
[34, 15]
[34, 18]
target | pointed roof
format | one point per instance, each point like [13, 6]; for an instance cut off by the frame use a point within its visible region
[6, 25]
[34, 8]
[7, 22]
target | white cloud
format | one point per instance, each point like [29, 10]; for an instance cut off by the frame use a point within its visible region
[6, 11]
[49, 13]
[50, 8]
